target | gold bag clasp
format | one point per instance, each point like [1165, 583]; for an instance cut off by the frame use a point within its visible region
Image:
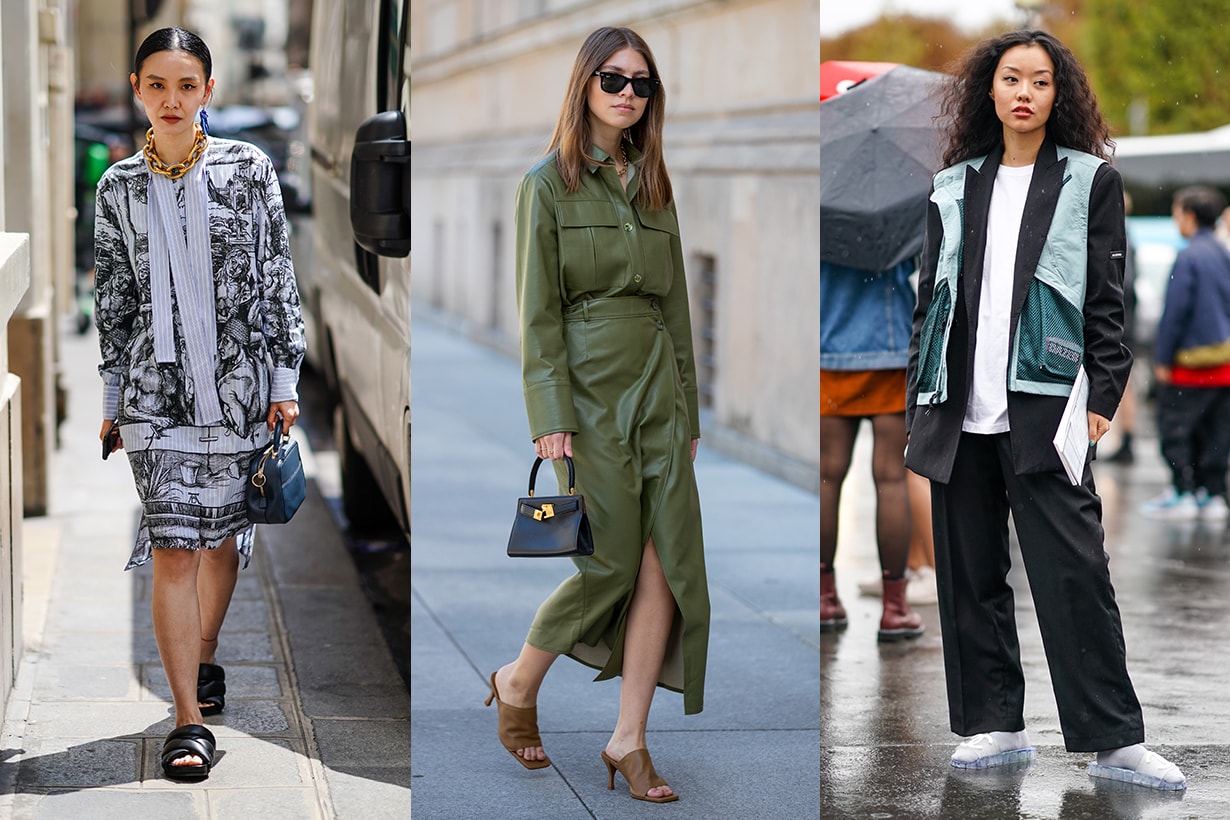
[547, 511]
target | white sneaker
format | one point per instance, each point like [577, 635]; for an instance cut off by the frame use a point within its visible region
[1212, 507]
[1172, 506]
[920, 588]
[872, 587]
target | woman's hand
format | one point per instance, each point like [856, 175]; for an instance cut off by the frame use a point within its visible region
[1098, 425]
[102, 435]
[554, 446]
[288, 410]
[695, 444]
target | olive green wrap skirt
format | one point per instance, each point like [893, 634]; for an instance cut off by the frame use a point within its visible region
[634, 467]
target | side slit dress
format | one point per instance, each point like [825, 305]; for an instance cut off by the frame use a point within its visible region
[607, 355]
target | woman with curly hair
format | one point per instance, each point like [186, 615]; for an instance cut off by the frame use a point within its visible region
[1021, 286]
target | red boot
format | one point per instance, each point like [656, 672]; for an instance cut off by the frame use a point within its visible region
[832, 613]
[899, 622]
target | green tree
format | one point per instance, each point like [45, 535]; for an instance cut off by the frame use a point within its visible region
[1159, 67]
[922, 42]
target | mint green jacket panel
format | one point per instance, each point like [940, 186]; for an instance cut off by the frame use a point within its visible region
[593, 243]
[1048, 323]
[1048, 347]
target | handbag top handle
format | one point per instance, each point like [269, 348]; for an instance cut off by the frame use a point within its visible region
[572, 476]
[274, 449]
[279, 438]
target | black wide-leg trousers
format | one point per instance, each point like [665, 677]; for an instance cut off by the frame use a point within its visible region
[1060, 531]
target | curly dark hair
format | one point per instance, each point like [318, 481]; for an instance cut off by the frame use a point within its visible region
[972, 127]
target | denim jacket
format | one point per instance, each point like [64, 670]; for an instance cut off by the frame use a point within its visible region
[865, 317]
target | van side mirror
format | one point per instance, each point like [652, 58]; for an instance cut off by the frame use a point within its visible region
[380, 185]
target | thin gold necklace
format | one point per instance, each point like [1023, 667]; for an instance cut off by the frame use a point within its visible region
[180, 168]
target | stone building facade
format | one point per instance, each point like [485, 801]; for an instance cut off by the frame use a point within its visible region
[742, 146]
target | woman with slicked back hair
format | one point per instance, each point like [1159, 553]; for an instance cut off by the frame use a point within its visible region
[610, 382]
[201, 340]
[1020, 303]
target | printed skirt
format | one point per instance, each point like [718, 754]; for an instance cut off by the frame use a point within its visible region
[191, 482]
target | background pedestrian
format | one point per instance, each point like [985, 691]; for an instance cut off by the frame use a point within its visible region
[920, 566]
[864, 339]
[1192, 365]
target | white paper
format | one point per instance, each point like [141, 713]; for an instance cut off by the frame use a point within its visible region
[1072, 437]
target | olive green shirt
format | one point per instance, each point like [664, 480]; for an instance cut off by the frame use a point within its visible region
[595, 242]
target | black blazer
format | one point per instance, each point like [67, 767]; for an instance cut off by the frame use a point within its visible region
[1033, 419]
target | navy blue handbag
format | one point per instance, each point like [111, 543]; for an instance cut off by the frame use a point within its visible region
[549, 526]
[276, 484]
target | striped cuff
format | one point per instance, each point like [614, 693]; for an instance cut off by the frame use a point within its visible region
[111, 396]
[285, 384]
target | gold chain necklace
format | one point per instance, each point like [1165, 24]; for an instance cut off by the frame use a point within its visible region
[180, 168]
[622, 172]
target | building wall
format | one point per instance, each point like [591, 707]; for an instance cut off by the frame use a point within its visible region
[742, 145]
[105, 51]
[14, 279]
[38, 201]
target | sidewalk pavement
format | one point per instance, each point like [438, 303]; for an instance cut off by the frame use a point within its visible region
[315, 724]
[886, 741]
[753, 752]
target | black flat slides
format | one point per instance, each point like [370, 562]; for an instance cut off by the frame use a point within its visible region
[184, 742]
[211, 688]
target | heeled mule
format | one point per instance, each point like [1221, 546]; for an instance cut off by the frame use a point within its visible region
[517, 728]
[637, 769]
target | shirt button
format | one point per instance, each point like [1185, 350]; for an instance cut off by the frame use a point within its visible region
[628, 227]
[660, 325]
[637, 278]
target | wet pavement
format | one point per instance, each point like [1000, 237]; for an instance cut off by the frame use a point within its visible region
[885, 737]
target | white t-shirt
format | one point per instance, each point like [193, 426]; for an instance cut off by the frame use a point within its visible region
[986, 411]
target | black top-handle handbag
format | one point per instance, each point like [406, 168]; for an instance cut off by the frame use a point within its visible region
[276, 484]
[554, 525]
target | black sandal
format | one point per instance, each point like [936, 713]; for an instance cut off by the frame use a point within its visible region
[211, 688]
[183, 742]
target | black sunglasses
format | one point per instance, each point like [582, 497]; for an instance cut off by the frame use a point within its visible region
[614, 83]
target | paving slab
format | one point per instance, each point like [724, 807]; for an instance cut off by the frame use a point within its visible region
[752, 753]
[84, 728]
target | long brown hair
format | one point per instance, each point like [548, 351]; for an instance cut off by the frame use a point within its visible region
[572, 137]
[974, 129]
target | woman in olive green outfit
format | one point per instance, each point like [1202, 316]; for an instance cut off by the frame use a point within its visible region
[606, 348]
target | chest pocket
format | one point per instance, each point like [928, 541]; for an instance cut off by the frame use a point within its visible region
[590, 248]
[661, 229]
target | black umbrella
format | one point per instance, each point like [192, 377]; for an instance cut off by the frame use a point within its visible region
[879, 148]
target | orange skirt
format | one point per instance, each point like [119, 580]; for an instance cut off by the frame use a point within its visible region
[862, 392]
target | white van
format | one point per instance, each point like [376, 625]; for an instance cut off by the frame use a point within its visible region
[356, 292]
